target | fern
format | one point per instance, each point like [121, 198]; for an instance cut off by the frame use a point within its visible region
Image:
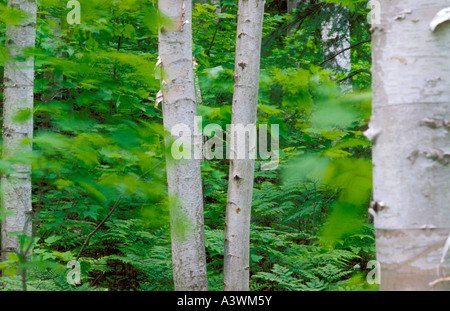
[51, 282]
[149, 254]
[282, 277]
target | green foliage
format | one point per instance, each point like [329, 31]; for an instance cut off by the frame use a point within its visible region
[287, 265]
[11, 15]
[97, 144]
[99, 147]
[214, 243]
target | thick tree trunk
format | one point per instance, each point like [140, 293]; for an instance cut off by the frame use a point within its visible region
[409, 130]
[18, 101]
[244, 108]
[183, 176]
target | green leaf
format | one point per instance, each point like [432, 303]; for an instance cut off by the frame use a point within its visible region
[348, 3]
[344, 219]
[52, 239]
[128, 31]
[13, 257]
[11, 15]
[307, 167]
[256, 258]
[10, 271]
[23, 115]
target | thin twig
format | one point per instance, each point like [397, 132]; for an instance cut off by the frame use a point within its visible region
[439, 281]
[343, 50]
[213, 38]
[300, 15]
[116, 204]
[98, 227]
[354, 73]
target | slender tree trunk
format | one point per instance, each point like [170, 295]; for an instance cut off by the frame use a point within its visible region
[183, 176]
[244, 108]
[53, 80]
[292, 4]
[18, 101]
[216, 3]
[335, 38]
[409, 130]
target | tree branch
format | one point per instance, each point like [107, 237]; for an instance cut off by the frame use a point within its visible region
[116, 204]
[343, 50]
[300, 15]
[213, 38]
[354, 73]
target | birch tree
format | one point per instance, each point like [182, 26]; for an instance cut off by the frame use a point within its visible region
[184, 175]
[18, 128]
[241, 172]
[336, 42]
[292, 4]
[409, 130]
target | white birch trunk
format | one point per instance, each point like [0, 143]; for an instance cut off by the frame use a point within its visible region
[244, 109]
[183, 176]
[409, 129]
[18, 99]
[336, 38]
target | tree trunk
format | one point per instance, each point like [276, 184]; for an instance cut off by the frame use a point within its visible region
[53, 80]
[292, 4]
[244, 108]
[183, 176]
[336, 38]
[409, 130]
[18, 104]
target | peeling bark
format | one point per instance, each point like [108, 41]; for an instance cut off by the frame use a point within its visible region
[411, 102]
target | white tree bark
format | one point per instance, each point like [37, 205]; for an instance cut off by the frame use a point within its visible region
[244, 109]
[336, 38]
[411, 153]
[183, 176]
[18, 100]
